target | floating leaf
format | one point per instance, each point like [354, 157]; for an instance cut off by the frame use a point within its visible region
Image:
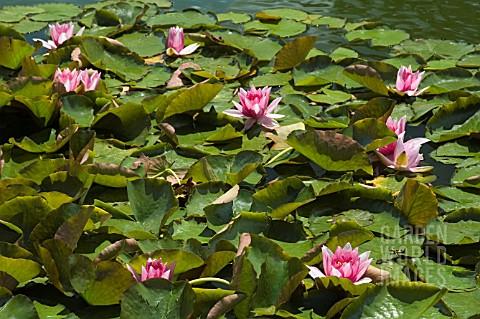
[235, 17]
[278, 279]
[158, 298]
[461, 232]
[340, 54]
[331, 151]
[101, 284]
[284, 28]
[433, 47]
[114, 58]
[372, 134]
[368, 77]
[287, 13]
[231, 169]
[455, 119]
[187, 19]
[417, 202]
[398, 298]
[153, 202]
[379, 37]
[193, 99]
[13, 51]
[19, 306]
[56, 12]
[293, 53]
[17, 13]
[283, 197]
[333, 23]
[146, 45]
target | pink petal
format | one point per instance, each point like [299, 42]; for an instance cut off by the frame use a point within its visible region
[189, 49]
[327, 256]
[273, 105]
[268, 122]
[80, 32]
[275, 116]
[400, 84]
[238, 106]
[134, 273]
[315, 272]
[249, 123]
[399, 148]
[364, 280]
[384, 160]
[47, 44]
[234, 113]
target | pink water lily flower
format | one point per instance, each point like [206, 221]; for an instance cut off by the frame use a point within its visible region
[396, 126]
[59, 33]
[345, 263]
[254, 106]
[175, 43]
[90, 79]
[153, 269]
[408, 82]
[406, 155]
[69, 79]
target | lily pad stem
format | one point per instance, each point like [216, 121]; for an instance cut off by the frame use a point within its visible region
[273, 159]
[208, 279]
[171, 172]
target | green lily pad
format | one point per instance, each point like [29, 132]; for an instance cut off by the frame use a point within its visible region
[287, 13]
[158, 297]
[145, 45]
[455, 119]
[450, 79]
[152, 201]
[330, 97]
[379, 37]
[192, 99]
[282, 198]
[13, 51]
[432, 47]
[417, 202]
[332, 151]
[19, 306]
[461, 232]
[284, 28]
[17, 13]
[333, 23]
[399, 298]
[272, 79]
[235, 17]
[293, 53]
[454, 278]
[110, 57]
[231, 169]
[99, 284]
[469, 61]
[56, 12]
[187, 19]
[372, 134]
[368, 77]
[340, 54]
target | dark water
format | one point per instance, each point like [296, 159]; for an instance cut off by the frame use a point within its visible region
[441, 19]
